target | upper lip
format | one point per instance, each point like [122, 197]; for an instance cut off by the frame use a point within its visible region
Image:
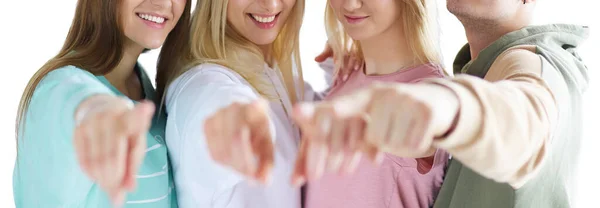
[167, 17]
[265, 15]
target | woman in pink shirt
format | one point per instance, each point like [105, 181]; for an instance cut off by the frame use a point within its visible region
[397, 43]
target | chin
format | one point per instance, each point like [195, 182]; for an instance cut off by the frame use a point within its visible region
[456, 8]
[358, 36]
[153, 44]
[261, 41]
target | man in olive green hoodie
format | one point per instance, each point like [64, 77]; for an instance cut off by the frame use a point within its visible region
[511, 117]
[500, 38]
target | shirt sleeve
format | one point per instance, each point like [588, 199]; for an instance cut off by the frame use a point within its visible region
[505, 121]
[47, 166]
[196, 95]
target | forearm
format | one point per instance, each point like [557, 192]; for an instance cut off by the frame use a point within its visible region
[502, 128]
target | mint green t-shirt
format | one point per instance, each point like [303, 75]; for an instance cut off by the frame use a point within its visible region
[47, 172]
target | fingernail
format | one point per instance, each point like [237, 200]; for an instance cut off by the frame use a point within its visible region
[356, 67]
[345, 77]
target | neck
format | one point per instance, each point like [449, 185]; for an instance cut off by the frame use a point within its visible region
[122, 75]
[268, 55]
[387, 53]
[482, 33]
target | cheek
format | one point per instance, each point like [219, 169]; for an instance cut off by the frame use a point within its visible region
[235, 17]
[291, 3]
[335, 4]
[178, 7]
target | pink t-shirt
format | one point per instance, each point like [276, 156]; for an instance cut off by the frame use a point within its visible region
[398, 182]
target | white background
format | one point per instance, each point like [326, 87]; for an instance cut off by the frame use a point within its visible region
[32, 31]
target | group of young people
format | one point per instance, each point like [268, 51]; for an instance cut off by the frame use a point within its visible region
[233, 124]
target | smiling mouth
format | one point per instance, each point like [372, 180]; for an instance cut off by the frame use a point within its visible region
[264, 18]
[152, 18]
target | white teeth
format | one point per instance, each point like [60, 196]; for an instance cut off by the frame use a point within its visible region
[264, 19]
[151, 18]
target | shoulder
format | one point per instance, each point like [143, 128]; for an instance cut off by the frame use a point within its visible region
[520, 57]
[66, 73]
[206, 74]
[515, 60]
[205, 80]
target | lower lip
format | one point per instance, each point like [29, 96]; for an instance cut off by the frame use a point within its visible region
[154, 24]
[263, 25]
[355, 20]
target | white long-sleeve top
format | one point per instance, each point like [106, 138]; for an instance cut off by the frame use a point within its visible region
[200, 181]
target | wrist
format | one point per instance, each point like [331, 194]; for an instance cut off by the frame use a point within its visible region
[446, 107]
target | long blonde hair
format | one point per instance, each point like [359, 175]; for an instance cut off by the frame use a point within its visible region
[213, 40]
[419, 21]
[94, 43]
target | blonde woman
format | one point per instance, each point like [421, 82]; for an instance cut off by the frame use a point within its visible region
[398, 44]
[222, 138]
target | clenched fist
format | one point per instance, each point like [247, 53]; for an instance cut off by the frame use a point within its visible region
[401, 119]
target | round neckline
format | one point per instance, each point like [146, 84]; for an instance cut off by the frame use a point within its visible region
[141, 76]
[405, 70]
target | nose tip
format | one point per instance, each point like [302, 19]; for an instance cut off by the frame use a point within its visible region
[271, 5]
[351, 5]
[161, 3]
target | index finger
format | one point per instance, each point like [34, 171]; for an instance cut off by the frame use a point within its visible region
[299, 174]
[261, 139]
[140, 119]
[263, 148]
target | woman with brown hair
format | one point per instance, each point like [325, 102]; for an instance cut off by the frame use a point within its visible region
[81, 141]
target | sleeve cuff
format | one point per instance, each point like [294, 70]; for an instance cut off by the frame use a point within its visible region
[469, 118]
